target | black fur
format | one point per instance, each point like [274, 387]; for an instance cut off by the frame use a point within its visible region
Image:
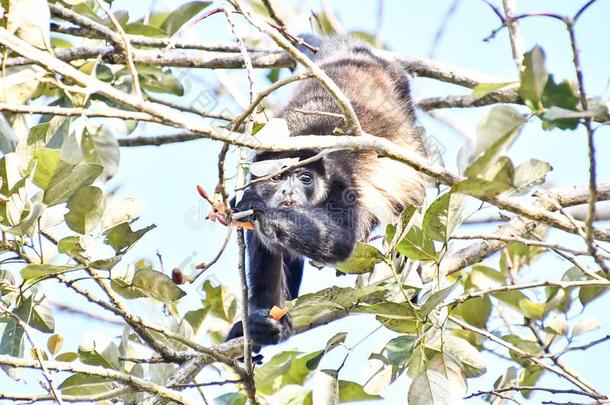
[324, 219]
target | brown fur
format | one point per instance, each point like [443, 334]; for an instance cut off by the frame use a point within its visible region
[379, 93]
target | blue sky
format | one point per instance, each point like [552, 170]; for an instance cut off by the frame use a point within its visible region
[164, 178]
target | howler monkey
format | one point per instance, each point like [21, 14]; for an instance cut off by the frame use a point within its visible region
[322, 209]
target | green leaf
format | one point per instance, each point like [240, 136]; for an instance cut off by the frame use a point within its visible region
[11, 337]
[435, 299]
[560, 97]
[96, 354]
[533, 78]
[86, 207]
[268, 376]
[67, 356]
[144, 29]
[121, 210]
[121, 237]
[39, 271]
[84, 384]
[475, 311]
[71, 245]
[220, 300]
[196, 317]
[47, 162]
[529, 173]
[429, 388]
[299, 369]
[350, 391]
[99, 146]
[496, 131]
[106, 264]
[162, 81]
[231, 398]
[12, 344]
[468, 355]
[62, 186]
[483, 89]
[399, 349]
[333, 342]
[531, 310]
[588, 294]
[585, 325]
[442, 216]
[557, 326]
[54, 343]
[156, 285]
[529, 378]
[182, 15]
[362, 260]
[417, 245]
[36, 312]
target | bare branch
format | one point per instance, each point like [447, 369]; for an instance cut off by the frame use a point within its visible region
[514, 33]
[139, 384]
[344, 103]
[79, 112]
[527, 356]
[37, 354]
[126, 46]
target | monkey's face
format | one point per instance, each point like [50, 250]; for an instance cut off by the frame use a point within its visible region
[301, 187]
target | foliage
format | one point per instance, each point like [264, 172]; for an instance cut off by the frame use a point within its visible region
[60, 223]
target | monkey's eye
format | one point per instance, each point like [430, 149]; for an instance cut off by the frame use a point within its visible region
[305, 178]
[276, 178]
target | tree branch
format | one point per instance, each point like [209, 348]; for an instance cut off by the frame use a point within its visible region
[138, 384]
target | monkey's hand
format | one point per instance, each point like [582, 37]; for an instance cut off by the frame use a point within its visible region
[250, 201]
[264, 330]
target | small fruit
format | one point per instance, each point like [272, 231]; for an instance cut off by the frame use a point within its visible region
[277, 313]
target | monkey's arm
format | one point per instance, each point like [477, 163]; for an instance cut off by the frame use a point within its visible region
[266, 288]
[324, 235]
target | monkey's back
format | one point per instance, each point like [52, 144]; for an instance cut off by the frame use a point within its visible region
[379, 93]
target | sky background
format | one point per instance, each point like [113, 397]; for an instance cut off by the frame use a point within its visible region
[164, 178]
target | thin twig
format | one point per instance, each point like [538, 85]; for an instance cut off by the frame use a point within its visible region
[79, 112]
[526, 286]
[351, 120]
[272, 13]
[514, 33]
[204, 266]
[263, 94]
[383, 147]
[590, 147]
[126, 47]
[37, 353]
[137, 383]
[528, 242]
[526, 356]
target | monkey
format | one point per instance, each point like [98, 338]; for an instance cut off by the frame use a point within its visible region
[320, 210]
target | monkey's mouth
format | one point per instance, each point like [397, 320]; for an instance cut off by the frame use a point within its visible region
[289, 203]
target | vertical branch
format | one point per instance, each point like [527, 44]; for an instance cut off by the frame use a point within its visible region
[592, 248]
[351, 120]
[514, 32]
[241, 266]
[126, 45]
[272, 13]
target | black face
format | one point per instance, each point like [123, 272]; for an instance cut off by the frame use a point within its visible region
[301, 187]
